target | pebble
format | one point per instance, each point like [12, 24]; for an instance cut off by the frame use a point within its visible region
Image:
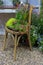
[24, 56]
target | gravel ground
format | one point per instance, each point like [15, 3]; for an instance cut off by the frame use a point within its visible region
[24, 55]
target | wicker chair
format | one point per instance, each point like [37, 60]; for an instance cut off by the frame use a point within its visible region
[18, 35]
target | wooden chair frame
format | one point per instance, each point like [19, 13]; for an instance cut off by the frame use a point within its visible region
[16, 40]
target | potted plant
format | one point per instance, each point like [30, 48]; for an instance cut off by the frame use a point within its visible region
[21, 16]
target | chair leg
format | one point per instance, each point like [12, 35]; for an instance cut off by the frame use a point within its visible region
[6, 34]
[29, 42]
[15, 43]
[18, 40]
[13, 37]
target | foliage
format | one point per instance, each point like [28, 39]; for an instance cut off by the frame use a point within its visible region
[40, 42]
[37, 20]
[41, 26]
[10, 21]
[15, 2]
[20, 21]
[22, 15]
[34, 35]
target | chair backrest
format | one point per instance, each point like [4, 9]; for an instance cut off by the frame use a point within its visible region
[30, 8]
[29, 18]
[30, 15]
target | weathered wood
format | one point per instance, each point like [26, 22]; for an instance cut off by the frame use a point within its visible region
[16, 41]
[15, 46]
[13, 37]
[29, 23]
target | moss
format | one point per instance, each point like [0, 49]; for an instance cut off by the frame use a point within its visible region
[10, 21]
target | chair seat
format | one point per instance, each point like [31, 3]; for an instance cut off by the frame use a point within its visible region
[14, 32]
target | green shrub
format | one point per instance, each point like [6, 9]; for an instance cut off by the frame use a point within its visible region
[37, 21]
[34, 35]
[40, 42]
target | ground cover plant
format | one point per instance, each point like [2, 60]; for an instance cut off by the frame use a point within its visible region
[37, 21]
